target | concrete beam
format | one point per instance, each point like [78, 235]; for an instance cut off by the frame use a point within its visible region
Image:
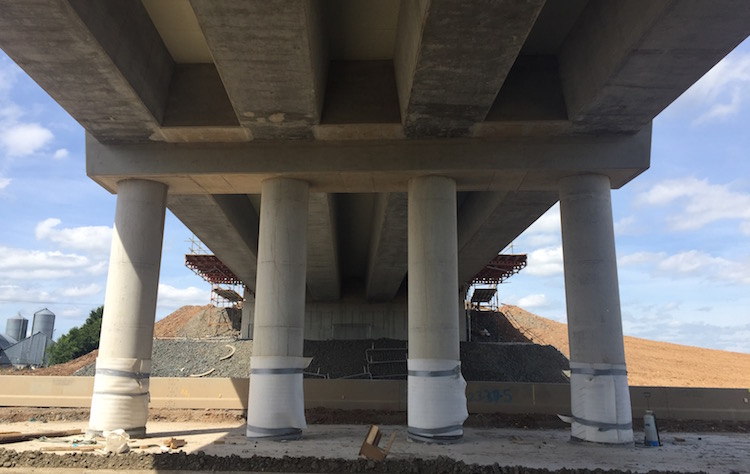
[452, 57]
[323, 274]
[227, 224]
[276, 80]
[624, 62]
[485, 165]
[488, 222]
[388, 264]
[103, 62]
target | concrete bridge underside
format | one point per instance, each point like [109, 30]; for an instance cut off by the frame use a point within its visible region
[339, 152]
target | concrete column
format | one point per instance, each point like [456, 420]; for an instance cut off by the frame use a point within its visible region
[123, 366]
[436, 389]
[463, 331]
[600, 397]
[248, 314]
[276, 401]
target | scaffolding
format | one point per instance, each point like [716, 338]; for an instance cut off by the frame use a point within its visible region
[226, 287]
[485, 282]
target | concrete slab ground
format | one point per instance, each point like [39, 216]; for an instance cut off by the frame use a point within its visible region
[540, 449]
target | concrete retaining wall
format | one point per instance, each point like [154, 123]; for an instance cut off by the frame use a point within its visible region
[344, 320]
[325, 321]
[483, 397]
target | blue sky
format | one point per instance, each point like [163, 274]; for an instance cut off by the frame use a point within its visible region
[681, 228]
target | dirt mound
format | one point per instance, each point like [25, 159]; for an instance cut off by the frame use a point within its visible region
[650, 363]
[68, 368]
[199, 322]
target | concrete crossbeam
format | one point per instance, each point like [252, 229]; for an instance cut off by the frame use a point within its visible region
[452, 58]
[323, 274]
[387, 263]
[485, 165]
[489, 221]
[277, 78]
[104, 62]
[227, 224]
[624, 62]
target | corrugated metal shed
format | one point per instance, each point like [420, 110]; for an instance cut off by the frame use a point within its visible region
[30, 351]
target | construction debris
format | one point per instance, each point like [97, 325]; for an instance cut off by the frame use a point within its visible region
[203, 374]
[16, 437]
[370, 447]
[230, 354]
[70, 448]
[174, 443]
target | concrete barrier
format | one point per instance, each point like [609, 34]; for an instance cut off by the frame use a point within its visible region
[482, 397]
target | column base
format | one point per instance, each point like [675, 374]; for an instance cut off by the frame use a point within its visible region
[454, 439]
[273, 434]
[625, 444]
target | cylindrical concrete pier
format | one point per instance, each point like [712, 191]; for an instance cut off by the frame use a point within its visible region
[436, 389]
[276, 401]
[600, 397]
[123, 366]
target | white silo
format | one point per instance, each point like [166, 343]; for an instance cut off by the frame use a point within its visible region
[44, 322]
[16, 327]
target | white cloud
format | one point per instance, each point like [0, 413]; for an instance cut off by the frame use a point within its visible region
[82, 291]
[60, 154]
[690, 263]
[533, 301]
[171, 296]
[721, 93]
[15, 293]
[546, 261]
[626, 225]
[21, 264]
[95, 239]
[548, 223]
[4, 182]
[25, 138]
[639, 258]
[701, 202]
[71, 313]
[7, 77]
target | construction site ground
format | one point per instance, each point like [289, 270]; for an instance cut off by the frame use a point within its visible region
[492, 442]
[222, 446]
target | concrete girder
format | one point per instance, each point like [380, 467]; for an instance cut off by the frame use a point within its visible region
[486, 165]
[624, 62]
[227, 224]
[103, 62]
[276, 80]
[388, 262]
[452, 58]
[323, 274]
[489, 221]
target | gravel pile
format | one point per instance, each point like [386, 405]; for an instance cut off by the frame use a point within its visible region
[499, 351]
[356, 359]
[185, 357]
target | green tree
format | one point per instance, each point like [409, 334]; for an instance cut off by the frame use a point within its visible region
[78, 341]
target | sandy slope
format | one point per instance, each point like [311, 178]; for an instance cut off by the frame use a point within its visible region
[650, 363]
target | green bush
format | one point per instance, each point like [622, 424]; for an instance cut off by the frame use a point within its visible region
[78, 341]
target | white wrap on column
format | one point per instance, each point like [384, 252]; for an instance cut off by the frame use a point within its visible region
[593, 387]
[436, 399]
[277, 396]
[120, 394]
